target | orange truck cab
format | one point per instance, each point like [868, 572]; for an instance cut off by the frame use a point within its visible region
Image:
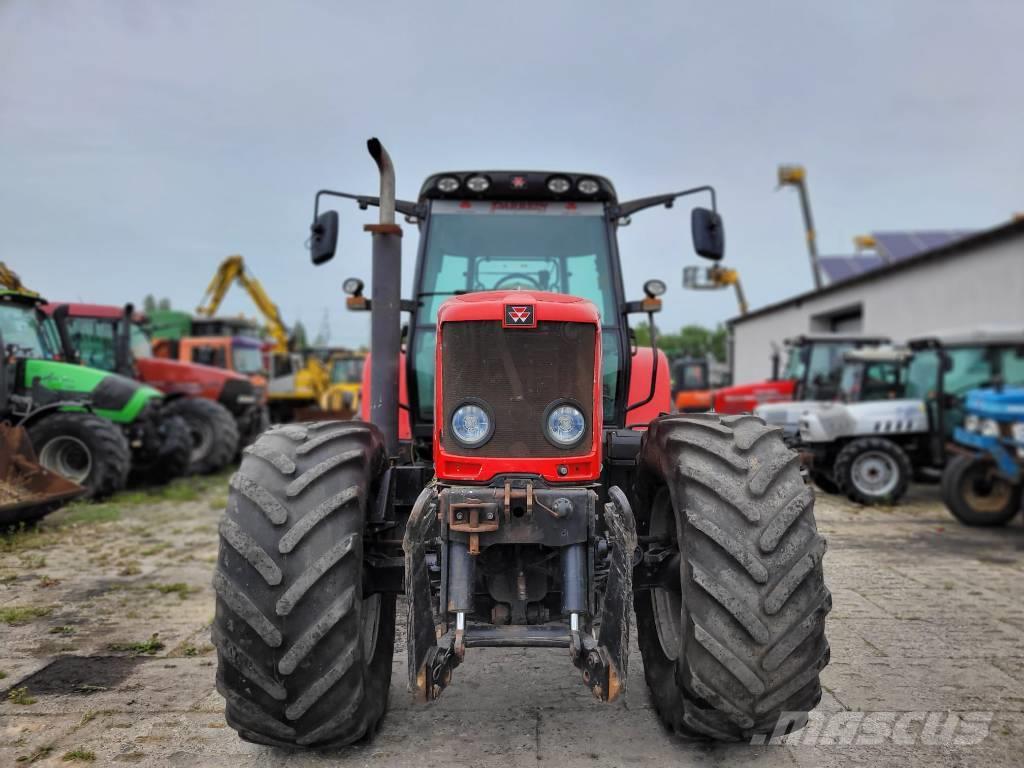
[241, 354]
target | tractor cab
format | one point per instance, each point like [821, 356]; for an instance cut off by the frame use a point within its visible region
[873, 373]
[812, 372]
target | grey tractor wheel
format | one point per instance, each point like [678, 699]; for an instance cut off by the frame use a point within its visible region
[976, 494]
[85, 449]
[213, 433]
[741, 639]
[304, 657]
[873, 470]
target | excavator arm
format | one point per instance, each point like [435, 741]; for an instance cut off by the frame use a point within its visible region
[9, 279]
[232, 270]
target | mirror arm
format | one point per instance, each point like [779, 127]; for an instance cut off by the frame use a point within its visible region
[405, 207]
[632, 206]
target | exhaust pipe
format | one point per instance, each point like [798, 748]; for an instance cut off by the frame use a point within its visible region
[385, 323]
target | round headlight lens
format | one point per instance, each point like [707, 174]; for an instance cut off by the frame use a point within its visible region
[559, 185]
[478, 183]
[588, 186]
[971, 422]
[472, 425]
[447, 184]
[990, 428]
[564, 424]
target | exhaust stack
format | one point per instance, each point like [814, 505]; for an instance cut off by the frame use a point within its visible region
[385, 324]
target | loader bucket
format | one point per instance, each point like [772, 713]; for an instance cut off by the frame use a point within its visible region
[28, 491]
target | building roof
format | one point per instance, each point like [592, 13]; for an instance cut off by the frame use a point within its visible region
[958, 247]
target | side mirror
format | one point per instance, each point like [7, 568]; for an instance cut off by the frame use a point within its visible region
[324, 238]
[708, 233]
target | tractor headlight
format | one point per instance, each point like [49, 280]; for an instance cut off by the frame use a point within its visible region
[990, 428]
[972, 423]
[564, 424]
[472, 425]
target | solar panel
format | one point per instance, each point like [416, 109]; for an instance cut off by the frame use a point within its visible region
[896, 246]
[839, 268]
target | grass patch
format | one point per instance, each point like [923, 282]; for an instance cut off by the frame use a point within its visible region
[84, 513]
[2, 674]
[156, 549]
[31, 562]
[23, 614]
[148, 647]
[79, 755]
[20, 696]
[179, 588]
[40, 754]
[63, 631]
[218, 503]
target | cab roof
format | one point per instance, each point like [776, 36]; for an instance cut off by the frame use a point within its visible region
[879, 355]
[16, 297]
[986, 335]
[518, 185]
[839, 338]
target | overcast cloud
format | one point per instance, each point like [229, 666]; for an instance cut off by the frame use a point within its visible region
[141, 142]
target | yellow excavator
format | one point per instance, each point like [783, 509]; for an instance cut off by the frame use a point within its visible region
[298, 382]
[9, 279]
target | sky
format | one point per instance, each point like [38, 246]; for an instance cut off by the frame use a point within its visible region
[141, 142]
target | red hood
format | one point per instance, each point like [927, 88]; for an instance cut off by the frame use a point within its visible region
[176, 377]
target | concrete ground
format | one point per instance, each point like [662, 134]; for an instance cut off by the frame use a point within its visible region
[104, 652]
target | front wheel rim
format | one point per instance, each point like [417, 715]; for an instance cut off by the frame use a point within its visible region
[875, 473]
[984, 493]
[202, 438]
[67, 456]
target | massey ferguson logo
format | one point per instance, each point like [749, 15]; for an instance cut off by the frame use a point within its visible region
[520, 316]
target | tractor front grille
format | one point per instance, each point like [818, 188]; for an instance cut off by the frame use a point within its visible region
[518, 372]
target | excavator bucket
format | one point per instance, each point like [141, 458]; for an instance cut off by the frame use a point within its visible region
[28, 491]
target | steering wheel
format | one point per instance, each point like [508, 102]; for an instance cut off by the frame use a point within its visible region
[518, 276]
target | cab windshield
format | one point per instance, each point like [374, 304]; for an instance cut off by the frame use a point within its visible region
[866, 381]
[347, 371]
[247, 360]
[25, 333]
[530, 246]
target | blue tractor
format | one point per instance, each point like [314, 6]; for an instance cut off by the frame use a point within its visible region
[982, 484]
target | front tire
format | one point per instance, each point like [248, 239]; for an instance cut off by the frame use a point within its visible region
[975, 496]
[742, 641]
[873, 470]
[85, 449]
[304, 658]
[212, 430]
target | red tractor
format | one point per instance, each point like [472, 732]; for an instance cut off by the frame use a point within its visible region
[535, 504]
[217, 405]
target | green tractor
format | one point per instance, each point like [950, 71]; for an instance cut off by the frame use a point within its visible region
[95, 428]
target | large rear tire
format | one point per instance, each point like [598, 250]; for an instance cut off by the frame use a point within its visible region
[85, 449]
[742, 639]
[213, 432]
[304, 659]
[976, 495]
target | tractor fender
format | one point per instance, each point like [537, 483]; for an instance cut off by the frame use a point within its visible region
[640, 388]
[834, 421]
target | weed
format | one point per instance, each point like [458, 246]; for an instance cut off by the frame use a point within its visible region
[80, 755]
[40, 754]
[147, 647]
[20, 696]
[64, 631]
[48, 581]
[130, 569]
[2, 674]
[180, 589]
[31, 562]
[23, 614]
